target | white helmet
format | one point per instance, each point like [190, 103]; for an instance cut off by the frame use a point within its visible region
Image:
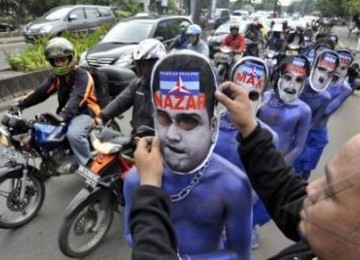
[149, 49]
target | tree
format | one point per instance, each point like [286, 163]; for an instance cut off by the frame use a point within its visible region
[352, 6]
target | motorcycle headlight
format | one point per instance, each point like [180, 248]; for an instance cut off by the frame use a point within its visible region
[5, 139]
[46, 29]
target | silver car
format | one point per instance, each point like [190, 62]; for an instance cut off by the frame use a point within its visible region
[72, 18]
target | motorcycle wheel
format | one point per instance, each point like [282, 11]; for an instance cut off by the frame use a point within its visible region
[77, 236]
[13, 212]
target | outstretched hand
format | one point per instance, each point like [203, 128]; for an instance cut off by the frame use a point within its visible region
[236, 100]
[148, 161]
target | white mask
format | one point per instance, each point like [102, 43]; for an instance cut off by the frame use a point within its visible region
[251, 73]
[346, 59]
[323, 69]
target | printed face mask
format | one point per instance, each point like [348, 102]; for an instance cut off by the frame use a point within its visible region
[346, 59]
[252, 74]
[323, 69]
[183, 86]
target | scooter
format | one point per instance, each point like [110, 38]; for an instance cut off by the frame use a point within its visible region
[89, 214]
[224, 61]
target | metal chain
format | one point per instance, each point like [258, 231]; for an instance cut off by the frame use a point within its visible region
[194, 181]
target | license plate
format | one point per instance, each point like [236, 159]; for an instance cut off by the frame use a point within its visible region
[9, 154]
[90, 177]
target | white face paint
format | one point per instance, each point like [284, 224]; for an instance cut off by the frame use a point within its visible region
[290, 86]
[251, 74]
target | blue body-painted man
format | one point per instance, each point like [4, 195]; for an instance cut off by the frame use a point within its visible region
[339, 89]
[252, 74]
[284, 112]
[209, 194]
[316, 96]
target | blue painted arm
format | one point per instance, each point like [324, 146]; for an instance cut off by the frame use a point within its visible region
[337, 101]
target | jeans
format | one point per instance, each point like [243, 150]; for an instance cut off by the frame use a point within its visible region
[77, 135]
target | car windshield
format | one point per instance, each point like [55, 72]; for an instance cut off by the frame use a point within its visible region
[128, 32]
[56, 14]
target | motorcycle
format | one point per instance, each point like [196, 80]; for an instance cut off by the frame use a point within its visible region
[224, 61]
[252, 48]
[271, 59]
[22, 183]
[292, 49]
[89, 215]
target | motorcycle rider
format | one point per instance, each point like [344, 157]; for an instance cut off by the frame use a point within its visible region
[275, 39]
[235, 40]
[137, 94]
[253, 33]
[76, 96]
[194, 33]
[181, 40]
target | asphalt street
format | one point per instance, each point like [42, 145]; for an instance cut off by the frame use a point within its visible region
[13, 45]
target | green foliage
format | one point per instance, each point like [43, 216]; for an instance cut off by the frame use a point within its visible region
[33, 58]
[131, 6]
[120, 14]
[7, 19]
[352, 6]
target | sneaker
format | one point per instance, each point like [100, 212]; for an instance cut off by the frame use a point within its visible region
[254, 239]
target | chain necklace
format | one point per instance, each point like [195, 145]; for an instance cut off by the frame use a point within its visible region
[194, 181]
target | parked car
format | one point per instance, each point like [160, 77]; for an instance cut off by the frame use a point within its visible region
[221, 16]
[216, 38]
[242, 13]
[73, 18]
[6, 27]
[117, 45]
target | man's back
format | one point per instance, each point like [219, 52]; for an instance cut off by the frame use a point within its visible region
[201, 47]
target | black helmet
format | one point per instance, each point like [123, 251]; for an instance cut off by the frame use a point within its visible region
[60, 47]
[234, 26]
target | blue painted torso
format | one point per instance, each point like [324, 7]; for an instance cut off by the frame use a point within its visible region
[290, 121]
[222, 199]
[317, 101]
